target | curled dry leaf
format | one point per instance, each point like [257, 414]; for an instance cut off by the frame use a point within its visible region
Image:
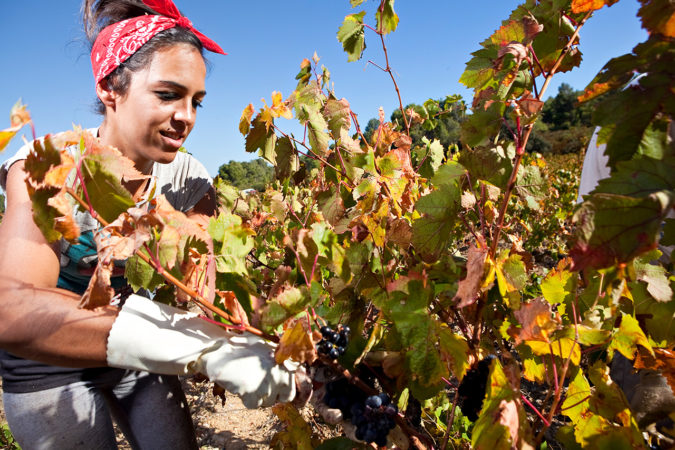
[531, 28]
[469, 287]
[235, 309]
[99, 292]
[513, 48]
[18, 117]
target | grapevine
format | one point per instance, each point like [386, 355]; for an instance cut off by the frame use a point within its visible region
[417, 251]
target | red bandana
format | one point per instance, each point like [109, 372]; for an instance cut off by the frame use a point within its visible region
[117, 42]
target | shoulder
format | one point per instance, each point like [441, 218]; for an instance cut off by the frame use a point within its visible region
[184, 181]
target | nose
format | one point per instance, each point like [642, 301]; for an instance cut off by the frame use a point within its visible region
[185, 114]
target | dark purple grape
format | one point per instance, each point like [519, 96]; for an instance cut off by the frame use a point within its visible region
[333, 353]
[391, 410]
[334, 336]
[326, 331]
[385, 398]
[345, 330]
[374, 401]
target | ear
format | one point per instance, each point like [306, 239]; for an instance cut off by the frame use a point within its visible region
[107, 96]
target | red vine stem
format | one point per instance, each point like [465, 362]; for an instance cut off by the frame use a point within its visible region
[534, 408]
[528, 130]
[201, 301]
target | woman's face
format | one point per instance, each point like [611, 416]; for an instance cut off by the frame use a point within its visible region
[152, 120]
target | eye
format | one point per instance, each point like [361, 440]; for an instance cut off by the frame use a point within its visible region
[167, 95]
[197, 104]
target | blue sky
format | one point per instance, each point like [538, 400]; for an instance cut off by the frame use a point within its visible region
[46, 62]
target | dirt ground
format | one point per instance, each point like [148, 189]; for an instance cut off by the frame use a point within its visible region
[218, 426]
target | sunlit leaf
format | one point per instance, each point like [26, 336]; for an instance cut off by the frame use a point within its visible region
[296, 344]
[628, 336]
[386, 18]
[351, 36]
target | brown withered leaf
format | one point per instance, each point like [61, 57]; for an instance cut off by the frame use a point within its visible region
[662, 361]
[65, 224]
[399, 231]
[99, 292]
[296, 343]
[469, 287]
[529, 106]
[513, 48]
[531, 28]
[231, 303]
[536, 320]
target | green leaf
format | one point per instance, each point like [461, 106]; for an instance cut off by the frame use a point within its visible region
[654, 276]
[482, 125]
[338, 114]
[626, 339]
[576, 403]
[492, 164]
[640, 177]
[659, 317]
[454, 350]
[287, 161]
[559, 286]
[351, 36]
[141, 275]
[285, 305]
[613, 228]
[386, 18]
[316, 126]
[258, 136]
[232, 243]
[432, 232]
[106, 193]
[432, 154]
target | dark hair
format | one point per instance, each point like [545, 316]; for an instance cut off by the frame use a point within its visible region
[98, 14]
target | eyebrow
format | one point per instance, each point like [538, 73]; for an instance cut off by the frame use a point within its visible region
[179, 86]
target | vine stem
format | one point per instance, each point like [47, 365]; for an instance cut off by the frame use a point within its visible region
[201, 301]
[451, 420]
[522, 142]
[534, 408]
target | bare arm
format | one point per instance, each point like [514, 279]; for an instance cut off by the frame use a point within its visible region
[37, 320]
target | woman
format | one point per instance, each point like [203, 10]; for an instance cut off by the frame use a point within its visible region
[66, 370]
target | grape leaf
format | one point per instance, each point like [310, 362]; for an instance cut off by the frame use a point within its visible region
[626, 339]
[658, 16]
[559, 286]
[107, 195]
[351, 36]
[232, 243]
[615, 228]
[492, 164]
[469, 287]
[502, 422]
[536, 320]
[386, 18]
[454, 350]
[433, 230]
[245, 121]
[316, 131]
[337, 112]
[430, 157]
[640, 177]
[654, 276]
[511, 278]
[296, 344]
[288, 303]
[286, 161]
[99, 292]
[18, 117]
[140, 275]
[229, 301]
[296, 434]
[662, 360]
[580, 6]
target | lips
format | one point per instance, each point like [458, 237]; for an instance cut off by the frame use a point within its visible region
[172, 138]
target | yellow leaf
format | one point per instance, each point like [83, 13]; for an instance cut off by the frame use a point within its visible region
[296, 343]
[18, 117]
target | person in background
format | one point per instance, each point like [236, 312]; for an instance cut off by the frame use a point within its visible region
[67, 371]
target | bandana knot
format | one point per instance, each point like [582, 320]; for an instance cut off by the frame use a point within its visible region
[184, 22]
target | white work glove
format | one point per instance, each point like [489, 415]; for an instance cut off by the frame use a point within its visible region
[162, 339]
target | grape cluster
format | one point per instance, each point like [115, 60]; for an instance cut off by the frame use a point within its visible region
[471, 390]
[334, 342]
[374, 418]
